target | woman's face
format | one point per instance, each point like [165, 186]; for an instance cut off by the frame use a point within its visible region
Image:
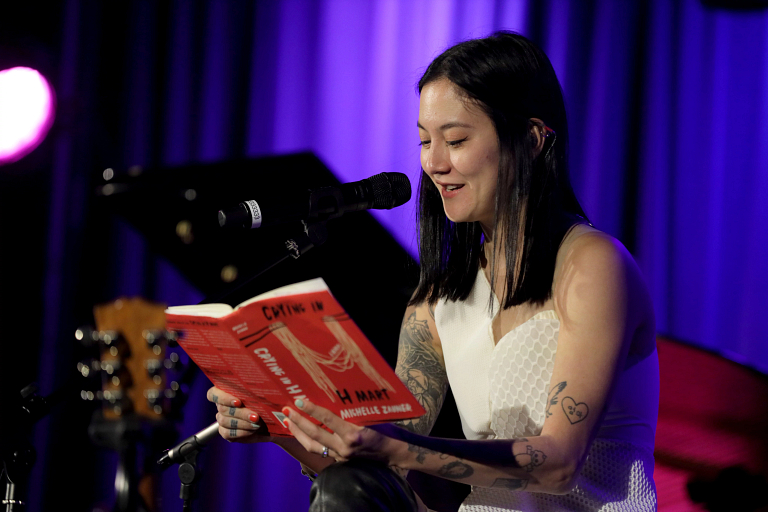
[459, 152]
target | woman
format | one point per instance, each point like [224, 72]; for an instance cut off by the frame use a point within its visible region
[540, 323]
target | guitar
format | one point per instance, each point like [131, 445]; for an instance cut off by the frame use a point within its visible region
[137, 394]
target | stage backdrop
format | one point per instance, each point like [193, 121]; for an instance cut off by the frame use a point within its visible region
[668, 102]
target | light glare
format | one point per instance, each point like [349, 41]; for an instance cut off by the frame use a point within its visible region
[26, 112]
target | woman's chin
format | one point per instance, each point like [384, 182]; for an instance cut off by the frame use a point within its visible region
[457, 217]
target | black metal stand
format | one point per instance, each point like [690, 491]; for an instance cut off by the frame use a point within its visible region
[293, 247]
[189, 476]
[124, 435]
[18, 465]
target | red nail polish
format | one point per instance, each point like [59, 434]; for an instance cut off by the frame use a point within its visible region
[236, 403]
[254, 418]
[286, 411]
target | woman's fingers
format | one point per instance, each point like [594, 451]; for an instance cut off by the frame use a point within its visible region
[218, 396]
[236, 424]
[325, 417]
[233, 434]
[314, 438]
[240, 413]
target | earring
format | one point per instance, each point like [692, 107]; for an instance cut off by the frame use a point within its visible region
[550, 132]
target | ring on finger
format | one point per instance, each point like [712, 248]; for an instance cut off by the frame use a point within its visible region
[325, 451]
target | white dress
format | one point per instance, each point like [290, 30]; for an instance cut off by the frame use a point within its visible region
[501, 393]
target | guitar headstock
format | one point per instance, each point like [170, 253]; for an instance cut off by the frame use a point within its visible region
[134, 361]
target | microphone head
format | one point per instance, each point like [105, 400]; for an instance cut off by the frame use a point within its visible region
[390, 189]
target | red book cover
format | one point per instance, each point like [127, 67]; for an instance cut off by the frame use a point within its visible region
[294, 342]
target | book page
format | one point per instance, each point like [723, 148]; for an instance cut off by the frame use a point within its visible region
[209, 310]
[311, 286]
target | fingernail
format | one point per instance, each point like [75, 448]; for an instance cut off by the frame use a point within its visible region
[299, 403]
[255, 425]
[286, 411]
[236, 403]
[254, 418]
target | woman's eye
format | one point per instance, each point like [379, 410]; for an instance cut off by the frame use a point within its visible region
[455, 143]
[424, 143]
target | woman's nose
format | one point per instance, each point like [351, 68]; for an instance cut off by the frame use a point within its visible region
[436, 160]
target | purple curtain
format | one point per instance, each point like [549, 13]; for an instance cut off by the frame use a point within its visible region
[668, 102]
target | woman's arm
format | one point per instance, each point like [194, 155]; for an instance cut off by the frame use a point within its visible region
[601, 301]
[420, 365]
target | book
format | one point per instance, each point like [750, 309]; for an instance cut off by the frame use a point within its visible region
[293, 342]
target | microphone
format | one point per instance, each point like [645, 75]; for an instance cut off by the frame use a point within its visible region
[191, 444]
[380, 192]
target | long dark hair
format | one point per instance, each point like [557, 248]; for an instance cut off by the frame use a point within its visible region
[512, 80]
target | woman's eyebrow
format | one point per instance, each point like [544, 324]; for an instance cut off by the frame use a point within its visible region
[446, 126]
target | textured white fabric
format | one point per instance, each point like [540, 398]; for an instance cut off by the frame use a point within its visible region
[501, 393]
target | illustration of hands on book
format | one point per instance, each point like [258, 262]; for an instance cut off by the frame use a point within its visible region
[293, 342]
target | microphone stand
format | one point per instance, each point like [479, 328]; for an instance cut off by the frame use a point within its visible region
[19, 456]
[186, 452]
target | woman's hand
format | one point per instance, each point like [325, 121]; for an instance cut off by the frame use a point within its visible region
[236, 423]
[345, 442]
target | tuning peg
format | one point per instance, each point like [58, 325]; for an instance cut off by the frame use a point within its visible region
[172, 362]
[153, 336]
[112, 396]
[87, 335]
[172, 337]
[87, 395]
[153, 399]
[109, 338]
[89, 368]
[153, 366]
[110, 366]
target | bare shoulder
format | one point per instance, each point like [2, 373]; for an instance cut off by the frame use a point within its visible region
[594, 270]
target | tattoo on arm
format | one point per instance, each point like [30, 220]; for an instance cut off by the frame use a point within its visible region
[554, 393]
[575, 412]
[420, 368]
[511, 484]
[456, 470]
[421, 453]
[530, 459]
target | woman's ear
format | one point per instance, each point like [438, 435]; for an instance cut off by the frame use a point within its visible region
[538, 135]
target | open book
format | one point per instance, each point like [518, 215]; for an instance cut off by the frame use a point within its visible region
[293, 342]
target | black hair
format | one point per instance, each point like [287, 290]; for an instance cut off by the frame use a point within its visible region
[512, 81]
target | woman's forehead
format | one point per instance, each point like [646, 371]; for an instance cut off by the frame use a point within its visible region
[444, 105]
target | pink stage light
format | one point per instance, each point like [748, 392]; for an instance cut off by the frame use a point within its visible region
[26, 112]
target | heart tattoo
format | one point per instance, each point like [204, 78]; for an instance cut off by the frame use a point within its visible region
[573, 411]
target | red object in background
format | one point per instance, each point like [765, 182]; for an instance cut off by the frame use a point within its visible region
[713, 415]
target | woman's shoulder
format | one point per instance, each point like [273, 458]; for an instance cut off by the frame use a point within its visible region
[587, 249]
[592, 260]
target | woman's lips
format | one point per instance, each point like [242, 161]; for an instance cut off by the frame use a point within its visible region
[449, 191]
